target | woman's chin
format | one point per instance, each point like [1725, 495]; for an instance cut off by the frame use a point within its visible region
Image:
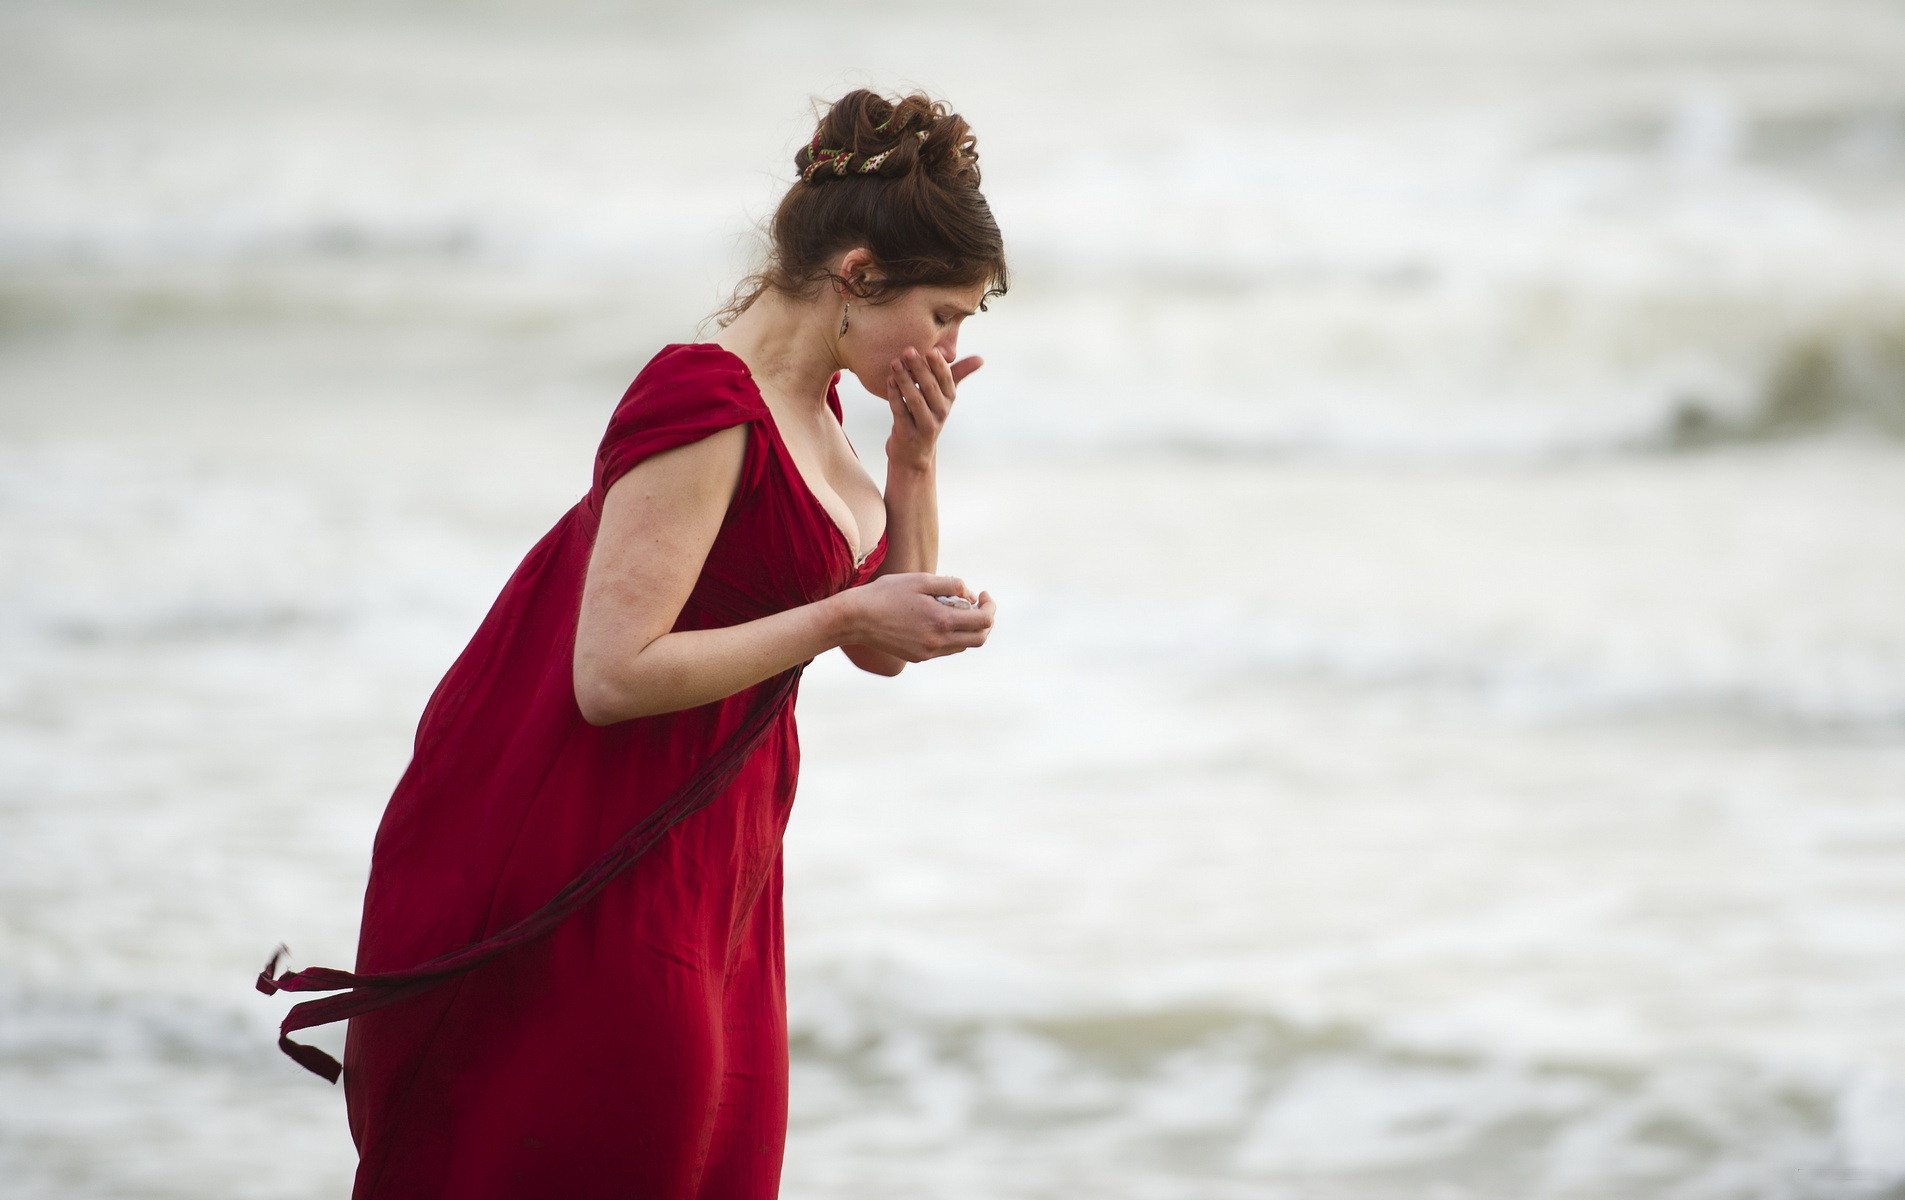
[861, 379]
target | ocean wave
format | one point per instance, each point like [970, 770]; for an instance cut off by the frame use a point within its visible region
[1194, 1096]
[1845, 379]
[991, 1087]
[1156, 382]
[114, 553]
[1622, 672]
[1612, 271]
[1622, 376]
[1852, 691]
[48, 1026]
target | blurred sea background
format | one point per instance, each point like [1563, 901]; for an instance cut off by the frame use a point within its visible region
[1442, 465]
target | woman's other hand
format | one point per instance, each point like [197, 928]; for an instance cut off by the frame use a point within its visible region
[920, 388]
[897, 615]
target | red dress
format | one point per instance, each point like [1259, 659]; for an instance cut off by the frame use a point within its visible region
[638, 1049]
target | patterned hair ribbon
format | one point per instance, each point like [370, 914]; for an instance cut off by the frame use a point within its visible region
[873, 164]
[819, 158]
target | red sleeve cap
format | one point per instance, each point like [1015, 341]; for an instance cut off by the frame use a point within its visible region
[685, 393]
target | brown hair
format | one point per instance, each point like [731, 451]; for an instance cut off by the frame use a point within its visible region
[900, 178]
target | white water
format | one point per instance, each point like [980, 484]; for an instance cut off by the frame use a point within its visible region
[1439, 466]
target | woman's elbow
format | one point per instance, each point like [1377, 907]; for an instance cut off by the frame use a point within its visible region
[597, 703]
[605, 699]
[874, 662]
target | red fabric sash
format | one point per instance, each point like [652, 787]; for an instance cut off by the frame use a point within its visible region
[371, 992]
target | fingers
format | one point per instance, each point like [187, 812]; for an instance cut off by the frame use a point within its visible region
[942, 373]
[967, 631]
[918, 404]
[982, 615]
[919, 374]
[963, 643]
[922, 386]
[965, 618]
[953, 641]
[940, 585]
[921, 389]
[896, 398]
[945, 629]
[964, 625]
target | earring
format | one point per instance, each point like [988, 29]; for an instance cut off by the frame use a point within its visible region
[844, 310]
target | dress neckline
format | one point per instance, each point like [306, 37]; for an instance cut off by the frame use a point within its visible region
[806, 488]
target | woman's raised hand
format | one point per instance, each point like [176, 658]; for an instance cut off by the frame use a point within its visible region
[897, 615]
[920, 389]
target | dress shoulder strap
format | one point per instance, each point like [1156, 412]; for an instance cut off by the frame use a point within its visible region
[685, 393]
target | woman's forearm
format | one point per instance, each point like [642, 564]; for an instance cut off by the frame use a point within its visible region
[912, 519]
[698, 666]
[912, 543]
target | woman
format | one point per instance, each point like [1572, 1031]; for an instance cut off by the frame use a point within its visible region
[569, 979]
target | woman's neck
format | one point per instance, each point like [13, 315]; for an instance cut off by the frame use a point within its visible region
[786, 346]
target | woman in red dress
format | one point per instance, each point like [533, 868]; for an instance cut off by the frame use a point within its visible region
[569, 982]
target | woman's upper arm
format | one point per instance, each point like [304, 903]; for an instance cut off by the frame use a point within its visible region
[658, 521]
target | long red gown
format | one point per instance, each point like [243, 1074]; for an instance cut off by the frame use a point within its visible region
[638, 1050]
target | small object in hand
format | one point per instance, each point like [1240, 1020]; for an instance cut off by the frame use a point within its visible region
[954, 601]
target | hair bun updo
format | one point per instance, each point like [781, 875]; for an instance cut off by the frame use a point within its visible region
[897, 177]
[864, 133]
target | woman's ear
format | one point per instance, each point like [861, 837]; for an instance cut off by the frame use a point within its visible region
[856, 268]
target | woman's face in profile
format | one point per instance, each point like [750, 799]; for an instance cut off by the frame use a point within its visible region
[926, 318]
